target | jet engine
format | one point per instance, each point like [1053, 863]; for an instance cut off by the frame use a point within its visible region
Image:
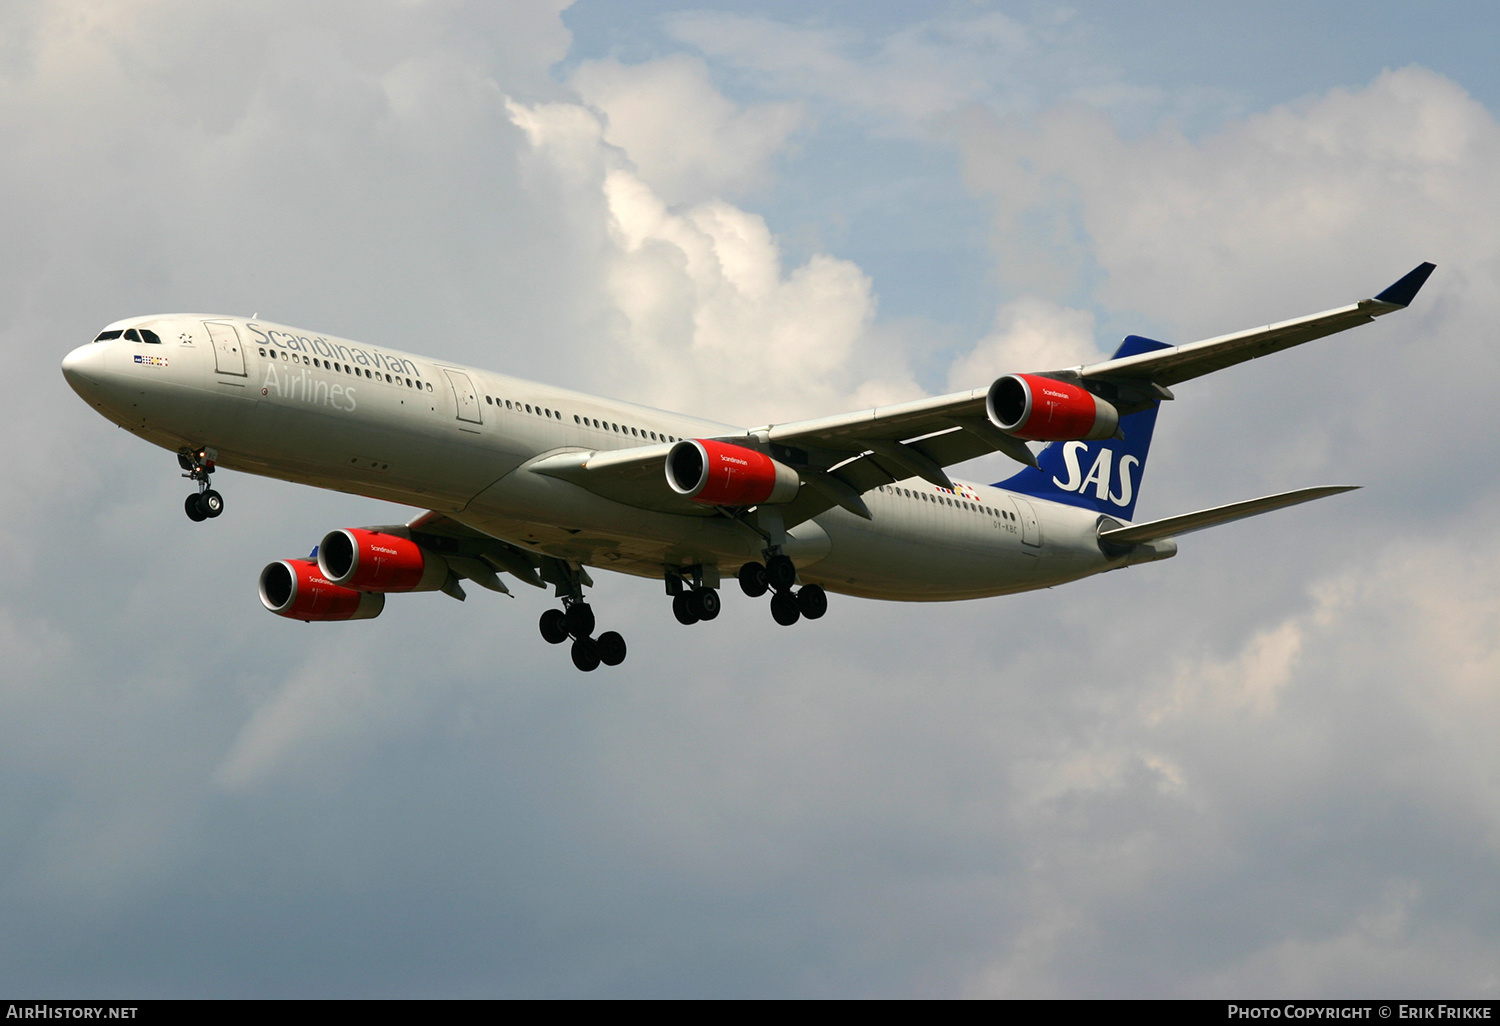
[1041, 409]
[721, 474]
[374, 561]
[298, 590]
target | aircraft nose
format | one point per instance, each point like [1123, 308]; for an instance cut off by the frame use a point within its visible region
[84, 366]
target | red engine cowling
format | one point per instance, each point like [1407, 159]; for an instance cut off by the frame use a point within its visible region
[721, 474]
[297, 589]
[1045, 410]
[375, 561]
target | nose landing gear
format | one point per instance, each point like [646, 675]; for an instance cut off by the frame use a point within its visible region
[789, 603]
[205, 503]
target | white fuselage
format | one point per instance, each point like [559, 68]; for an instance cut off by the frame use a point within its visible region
[328, 412]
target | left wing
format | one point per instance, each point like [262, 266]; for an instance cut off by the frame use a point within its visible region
[843, 456]
[1169, 366]
[839, 457]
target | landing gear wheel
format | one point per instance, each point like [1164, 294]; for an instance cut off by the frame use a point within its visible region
[212, 503]
[554, 626]
[684, 608]
[580, 621]
[781, 572]
[784, 609]
[586, 654]
[753, 580]
[194, 508]
[611, 648]
[812, 600]
[706, 603]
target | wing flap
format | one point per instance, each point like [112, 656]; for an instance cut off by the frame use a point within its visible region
[471, 553]
[897, 422]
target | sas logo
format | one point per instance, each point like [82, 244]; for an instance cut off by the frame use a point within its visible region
[1099, 475]
[151, 361]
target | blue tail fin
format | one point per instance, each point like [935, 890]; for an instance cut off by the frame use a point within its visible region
[1103, 476]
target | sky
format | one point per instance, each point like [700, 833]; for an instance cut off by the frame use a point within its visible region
[1265, 767]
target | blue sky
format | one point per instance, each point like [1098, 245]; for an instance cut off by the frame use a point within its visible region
[1265, 767]
[894, 202]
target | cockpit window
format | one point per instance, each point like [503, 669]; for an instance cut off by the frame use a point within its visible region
[132, 335]
[147, 335]
[105, 336]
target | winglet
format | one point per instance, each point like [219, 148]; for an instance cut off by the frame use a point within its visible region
[1405, 290]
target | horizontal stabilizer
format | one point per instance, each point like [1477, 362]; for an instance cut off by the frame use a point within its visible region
[1187, 522]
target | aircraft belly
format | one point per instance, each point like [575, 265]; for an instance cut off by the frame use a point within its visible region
[909, 560]
[564, 520]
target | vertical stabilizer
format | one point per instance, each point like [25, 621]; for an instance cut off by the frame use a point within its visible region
[1103, 476]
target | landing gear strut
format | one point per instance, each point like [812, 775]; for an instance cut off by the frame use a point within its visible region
[576, 620]
[789, 603]
[205, 502]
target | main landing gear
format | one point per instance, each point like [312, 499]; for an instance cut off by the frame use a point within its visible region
[695, 601]
[205, 503]
[789, 603]
[576, 620]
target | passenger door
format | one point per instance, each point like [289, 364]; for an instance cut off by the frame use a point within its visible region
[468, 399]
[1031, 529]
[229, 356]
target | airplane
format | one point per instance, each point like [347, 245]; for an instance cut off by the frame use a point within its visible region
[544, 484]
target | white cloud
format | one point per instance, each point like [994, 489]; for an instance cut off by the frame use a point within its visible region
[1367, 181]
[683, 137]
[705, 317]
[1030, 334]
[910, 75]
